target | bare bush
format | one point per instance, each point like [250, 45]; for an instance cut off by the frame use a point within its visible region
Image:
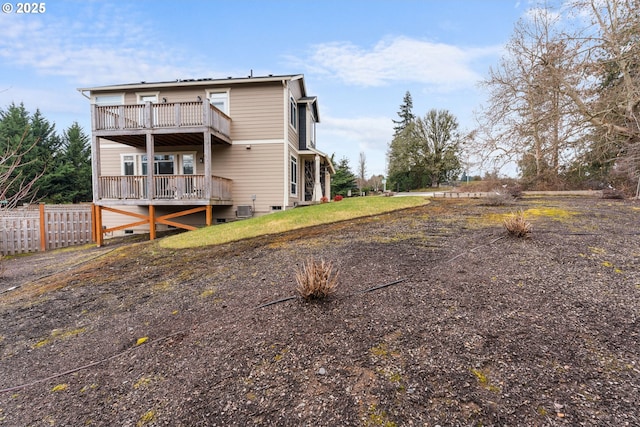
[316, 279]
[517, 225]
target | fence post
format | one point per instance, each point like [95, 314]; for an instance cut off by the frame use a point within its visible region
[43, 232]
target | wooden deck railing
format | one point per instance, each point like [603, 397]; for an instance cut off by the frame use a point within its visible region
[166, 115]
[167, 187]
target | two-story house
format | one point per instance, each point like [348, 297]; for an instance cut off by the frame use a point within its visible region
[189, 153]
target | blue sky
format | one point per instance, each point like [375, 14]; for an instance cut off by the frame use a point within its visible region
[358, 57]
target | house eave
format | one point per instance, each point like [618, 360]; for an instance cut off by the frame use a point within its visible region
[191, 83]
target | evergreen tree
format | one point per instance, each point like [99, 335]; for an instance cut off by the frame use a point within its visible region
[426, 152]
[405, 114]
[344, 179]
[70, 180]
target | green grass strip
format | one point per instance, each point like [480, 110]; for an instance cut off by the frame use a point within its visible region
[291, 219]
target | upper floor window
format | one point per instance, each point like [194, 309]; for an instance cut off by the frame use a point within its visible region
[220, 100]
[117, 99]
[293, 113]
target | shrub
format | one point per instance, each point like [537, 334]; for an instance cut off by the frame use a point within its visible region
[337, 198]
[517, 225]
[316, 279]
[324, 199]
[504, 195]
[498, 197]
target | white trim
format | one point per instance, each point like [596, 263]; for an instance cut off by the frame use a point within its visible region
[285, 145]
[293, 112]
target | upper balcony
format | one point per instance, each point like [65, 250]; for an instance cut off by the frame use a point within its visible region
[172, 123]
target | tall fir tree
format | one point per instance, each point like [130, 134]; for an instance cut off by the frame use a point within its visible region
[70, 180]
[405, 114]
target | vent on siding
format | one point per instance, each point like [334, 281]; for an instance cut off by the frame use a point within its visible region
[244, 211]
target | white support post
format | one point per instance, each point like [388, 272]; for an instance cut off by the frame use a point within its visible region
[317, 188]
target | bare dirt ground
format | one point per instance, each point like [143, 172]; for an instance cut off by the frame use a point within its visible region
[480, 329]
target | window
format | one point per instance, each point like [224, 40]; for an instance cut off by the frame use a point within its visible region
[128, 164]
[147, 97]
[187, 164]
[293, 113]
[108, 104]
[163, 164]
[117, 99]
[294, 176]
[220, 100]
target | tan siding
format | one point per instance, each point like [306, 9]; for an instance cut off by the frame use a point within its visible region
[256, 112]
[110, 156]
[256, 171]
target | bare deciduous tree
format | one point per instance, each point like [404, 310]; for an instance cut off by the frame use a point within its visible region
[14, 186]
[568, 86]
[362, 170]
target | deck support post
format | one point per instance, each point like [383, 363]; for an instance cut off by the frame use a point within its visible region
[209, 215]
[152, 222]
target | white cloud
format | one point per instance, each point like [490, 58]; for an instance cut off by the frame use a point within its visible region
[347, 137]
[399, 59]
[109, 46]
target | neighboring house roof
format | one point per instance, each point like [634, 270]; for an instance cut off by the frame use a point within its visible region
[198, 82]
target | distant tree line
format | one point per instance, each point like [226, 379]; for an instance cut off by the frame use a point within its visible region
[39, 165]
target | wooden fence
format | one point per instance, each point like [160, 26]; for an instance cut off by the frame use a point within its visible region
[43, 227]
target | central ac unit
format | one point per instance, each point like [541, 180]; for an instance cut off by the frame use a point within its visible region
[244, 211]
